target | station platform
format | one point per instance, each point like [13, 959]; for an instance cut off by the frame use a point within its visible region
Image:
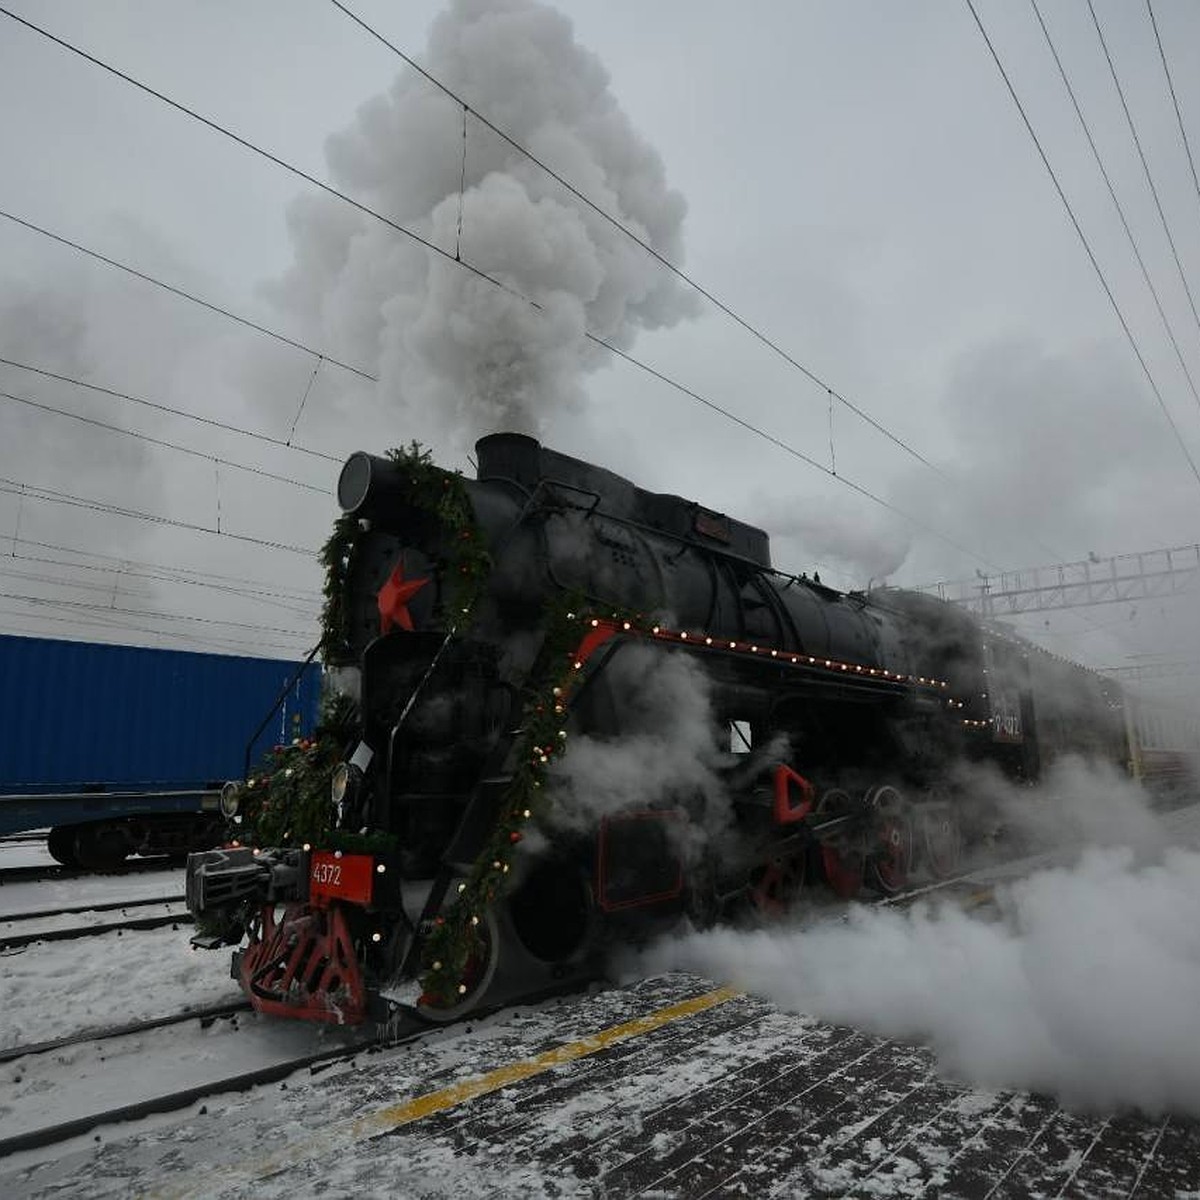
[669, 1087]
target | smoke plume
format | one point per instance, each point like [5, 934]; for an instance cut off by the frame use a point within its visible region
[457, 352]
[869, 545]
[667, 756]
[1084, 987]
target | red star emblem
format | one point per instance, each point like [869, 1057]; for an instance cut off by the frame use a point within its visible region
[393, 599]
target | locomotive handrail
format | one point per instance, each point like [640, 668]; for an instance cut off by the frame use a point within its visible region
[287, 687]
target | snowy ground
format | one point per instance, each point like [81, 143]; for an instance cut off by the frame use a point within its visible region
[52, 989]
[742, 1098]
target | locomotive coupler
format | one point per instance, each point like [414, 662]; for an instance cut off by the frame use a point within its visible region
[222, 883]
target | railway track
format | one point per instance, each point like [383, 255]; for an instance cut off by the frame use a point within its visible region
[407, 1028]
[206, 1016]
[52, 872]
[16, 940]
[107, 906]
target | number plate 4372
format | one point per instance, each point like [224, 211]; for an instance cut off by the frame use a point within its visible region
[349, 877]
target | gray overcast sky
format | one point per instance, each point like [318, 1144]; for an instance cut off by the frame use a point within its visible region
[858, 185]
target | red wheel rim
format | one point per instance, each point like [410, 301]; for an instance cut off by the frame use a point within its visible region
[891, 839]
[842, 856]
[778, 885]
[843, 872]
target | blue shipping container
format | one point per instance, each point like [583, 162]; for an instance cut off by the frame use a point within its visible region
[76, 715]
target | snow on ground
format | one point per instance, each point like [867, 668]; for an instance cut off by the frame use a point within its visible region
[96, 1076]
[36, 895]
[52, 989]
[25, 854]
[25, 927]
[308, 1129]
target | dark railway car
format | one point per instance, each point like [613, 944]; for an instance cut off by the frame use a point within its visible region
[123, 749]
[479, 627]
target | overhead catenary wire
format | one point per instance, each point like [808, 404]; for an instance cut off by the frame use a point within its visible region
[1187, 146]
[176, 291]
[95, 622]
[16, 487]
[122, 562]
[145, 437]
[1137, 141]
[467, 266]
[174, 412]
[1117, 204]
[1086, 244]
[283, 164]
[657, 255]
[113, 588]
[152, 615]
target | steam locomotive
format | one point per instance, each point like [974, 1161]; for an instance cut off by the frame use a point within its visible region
[480, 630]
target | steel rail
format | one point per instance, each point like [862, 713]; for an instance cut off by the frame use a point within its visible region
[14, 941]
[52, 871]
[49, 1135]
[205, 1016]
[107, 906]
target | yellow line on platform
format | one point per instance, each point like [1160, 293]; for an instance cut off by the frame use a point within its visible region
[334, 1139]
[469, 1089]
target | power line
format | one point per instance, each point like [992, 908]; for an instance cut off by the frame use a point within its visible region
[678, 272]
[1137, 141]
[804, 458]
[15, 487]
[1117, 204]
[467, 266]
[145, 437]
[121, 563]
[151, 615]
[1175, 101]
[174, 412]
[276, 600]
[329, 189]
[224, 312]
[123, 627]
[1086, 245]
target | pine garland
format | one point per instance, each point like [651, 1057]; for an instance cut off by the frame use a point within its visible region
[335, 558]
[287, 801]
[455, 942]
[464, 564]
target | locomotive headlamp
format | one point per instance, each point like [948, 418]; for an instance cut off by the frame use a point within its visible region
[229, 799]
[339, 783]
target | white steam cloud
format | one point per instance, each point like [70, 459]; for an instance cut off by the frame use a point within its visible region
[867, 545]
[457, 352]
[668, 756]
[1085, 987]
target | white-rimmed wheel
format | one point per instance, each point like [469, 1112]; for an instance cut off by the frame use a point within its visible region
[941, 838]
[890, 857]
[477, 975]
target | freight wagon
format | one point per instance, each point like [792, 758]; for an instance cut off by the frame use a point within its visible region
[120, 750]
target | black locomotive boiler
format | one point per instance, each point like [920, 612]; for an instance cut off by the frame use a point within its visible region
[477, 628]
